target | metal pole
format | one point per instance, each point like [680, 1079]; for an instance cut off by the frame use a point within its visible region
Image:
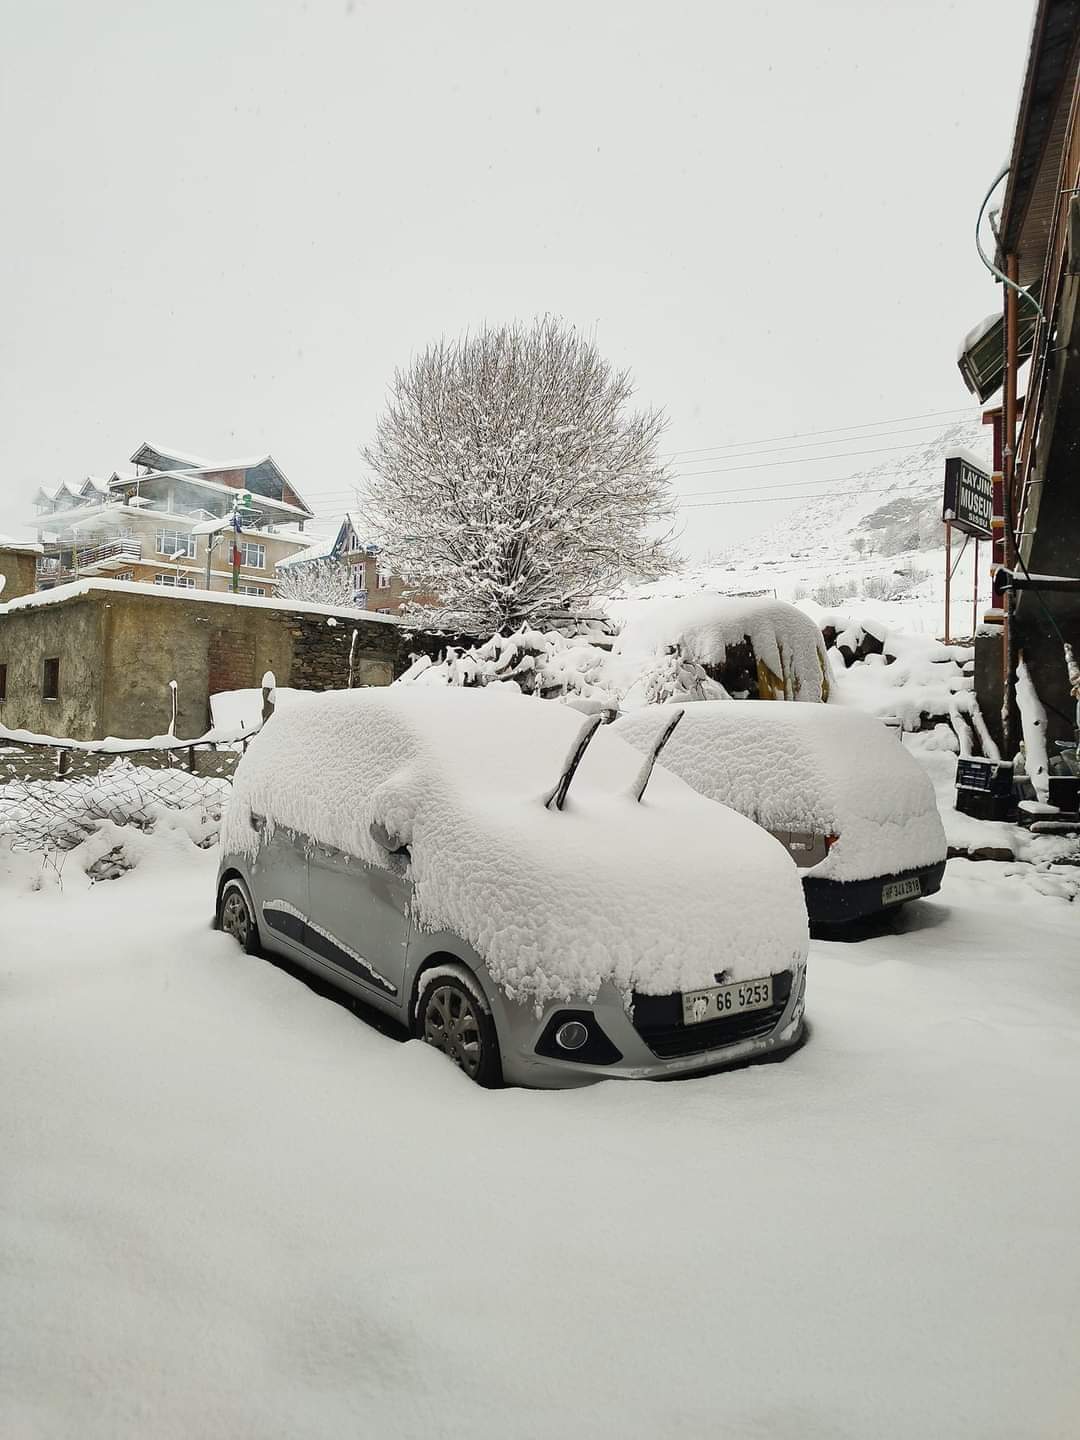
[948, 578]
[975, 592]
[1008, 474]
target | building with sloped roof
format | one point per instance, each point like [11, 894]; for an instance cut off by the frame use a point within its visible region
[168, 524]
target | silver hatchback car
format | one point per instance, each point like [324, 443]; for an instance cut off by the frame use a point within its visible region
[491, 872]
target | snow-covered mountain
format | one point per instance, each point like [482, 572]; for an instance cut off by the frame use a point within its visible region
[875, 539]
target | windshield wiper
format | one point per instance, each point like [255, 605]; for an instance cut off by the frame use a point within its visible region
[638, 788]
[581, 744]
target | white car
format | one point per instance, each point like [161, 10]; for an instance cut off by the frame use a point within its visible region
[837, 788]
[492, 872]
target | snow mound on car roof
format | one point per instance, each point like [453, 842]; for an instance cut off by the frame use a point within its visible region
[657, 897]
[806, 767]
[706, 627]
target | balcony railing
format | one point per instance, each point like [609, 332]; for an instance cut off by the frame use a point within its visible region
[72, 563]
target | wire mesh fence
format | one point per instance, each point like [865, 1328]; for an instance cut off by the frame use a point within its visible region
[53, 797]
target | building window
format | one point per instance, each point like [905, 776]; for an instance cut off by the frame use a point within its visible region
[382, 612]
[50, 680]
[125, 575]
[252, 556]
[170, 541]
[175, 582]
[250, 590]
[3, 683]
[354, 543]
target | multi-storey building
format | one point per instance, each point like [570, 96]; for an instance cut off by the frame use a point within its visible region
[373, 584]
[169, 524]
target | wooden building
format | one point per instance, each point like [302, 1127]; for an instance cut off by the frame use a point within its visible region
[1037, 435]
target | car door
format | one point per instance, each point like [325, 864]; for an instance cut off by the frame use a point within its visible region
[279, 878]
[358, 922]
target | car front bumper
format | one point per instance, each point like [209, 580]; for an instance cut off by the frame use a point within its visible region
[520, 1030]
[838, 902]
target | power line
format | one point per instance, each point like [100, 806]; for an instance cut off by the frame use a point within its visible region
[806, 460]
[332, 498]
[779, 499]
[782, 485]
[813, 444]
[867, 425]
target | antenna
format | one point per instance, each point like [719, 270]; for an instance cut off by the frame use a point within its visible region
[638, 788]
[581, 744]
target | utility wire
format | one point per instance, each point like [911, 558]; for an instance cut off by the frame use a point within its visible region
[813, 444]
[745, 453]
[805, 460]
[866, 425]
[779, 499]
[331, 495]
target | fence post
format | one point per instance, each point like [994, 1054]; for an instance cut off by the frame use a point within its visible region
[269, 687]
[63, 762]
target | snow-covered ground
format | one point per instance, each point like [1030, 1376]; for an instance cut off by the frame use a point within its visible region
[231, 1209]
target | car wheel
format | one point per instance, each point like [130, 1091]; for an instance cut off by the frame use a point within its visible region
[451, 1018]
[236, 917]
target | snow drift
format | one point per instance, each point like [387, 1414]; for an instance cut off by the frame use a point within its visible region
[806, 767]
[657, 897]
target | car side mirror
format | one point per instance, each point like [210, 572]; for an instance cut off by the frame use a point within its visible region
[392, 844]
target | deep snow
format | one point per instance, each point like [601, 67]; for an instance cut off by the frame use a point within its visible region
[230, 1209]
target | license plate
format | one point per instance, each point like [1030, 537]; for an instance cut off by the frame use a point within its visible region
[900, 890]
[723, 1000]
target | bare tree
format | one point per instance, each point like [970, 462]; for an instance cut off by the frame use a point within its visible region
[510, 481]
[320, 582]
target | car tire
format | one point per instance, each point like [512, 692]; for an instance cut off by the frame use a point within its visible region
[450, 1017]
[236, 916]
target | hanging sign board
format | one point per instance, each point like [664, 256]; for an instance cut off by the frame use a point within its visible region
[969, 497]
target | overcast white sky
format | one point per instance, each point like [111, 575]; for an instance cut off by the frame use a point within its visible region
[226, 221]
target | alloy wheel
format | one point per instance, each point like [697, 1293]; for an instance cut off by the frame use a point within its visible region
[452, 1025]
[235, 916]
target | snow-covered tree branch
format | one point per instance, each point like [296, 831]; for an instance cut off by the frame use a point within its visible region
[321, 582]
[510, 480]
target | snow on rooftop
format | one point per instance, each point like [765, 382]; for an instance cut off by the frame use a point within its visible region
[320, 550]
[60, 593]
[657, 897]
[198, 462]
[9, 542]
[806, 767]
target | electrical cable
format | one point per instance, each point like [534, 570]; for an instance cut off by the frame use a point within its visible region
[865, 425]
[1000, 274]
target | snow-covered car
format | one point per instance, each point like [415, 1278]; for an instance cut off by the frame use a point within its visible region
[855, 811]
[492, 872]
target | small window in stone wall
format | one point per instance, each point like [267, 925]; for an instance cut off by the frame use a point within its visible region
[3, 683]
[50, 680]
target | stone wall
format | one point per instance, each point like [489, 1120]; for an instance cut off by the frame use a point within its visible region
[120, 647]
[70, 633]
[19, 571]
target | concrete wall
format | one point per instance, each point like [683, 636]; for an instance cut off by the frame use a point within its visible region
[118, 652]
[18, 569]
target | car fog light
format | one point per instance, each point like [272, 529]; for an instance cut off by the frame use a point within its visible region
[572, 1035]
